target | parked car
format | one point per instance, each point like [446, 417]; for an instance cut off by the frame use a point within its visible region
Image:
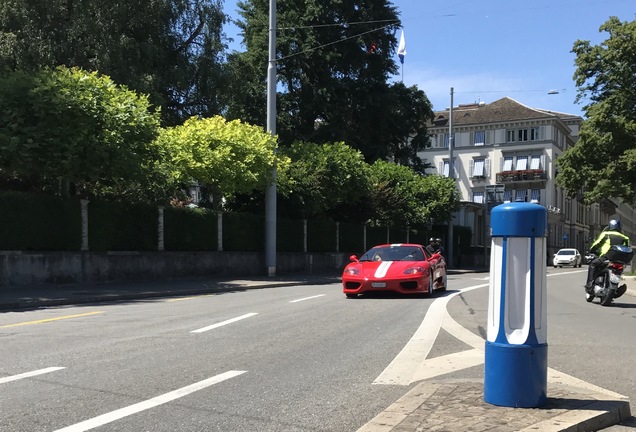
[567, 257]
[403, 268]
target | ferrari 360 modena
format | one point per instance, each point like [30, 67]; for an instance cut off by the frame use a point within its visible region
[403, 268]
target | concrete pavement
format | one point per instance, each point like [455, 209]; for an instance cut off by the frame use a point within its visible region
[432, 405]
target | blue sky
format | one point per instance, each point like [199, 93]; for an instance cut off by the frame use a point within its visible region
[488, 49]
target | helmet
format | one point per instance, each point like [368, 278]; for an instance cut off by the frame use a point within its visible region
[438, 240]
[614, 225]
[432, 239]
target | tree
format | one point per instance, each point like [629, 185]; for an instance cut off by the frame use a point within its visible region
[78, 129]
[225, 158]
[334, 61]
[403, 197]
[603, 162]
[171, 50]
[325, 180]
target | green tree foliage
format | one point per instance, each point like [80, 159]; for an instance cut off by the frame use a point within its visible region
[334, 60]
[603, 161]
[402, 197]
[171, 50]
[70, 127]
[330, 179]
[225, 158]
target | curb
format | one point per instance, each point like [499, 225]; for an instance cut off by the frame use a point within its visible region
[217, 287]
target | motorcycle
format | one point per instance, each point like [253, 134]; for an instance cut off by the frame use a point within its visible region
[609, 274]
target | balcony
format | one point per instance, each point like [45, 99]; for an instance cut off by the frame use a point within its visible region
[530, 176]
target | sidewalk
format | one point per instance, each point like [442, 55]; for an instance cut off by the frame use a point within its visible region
[432, 405]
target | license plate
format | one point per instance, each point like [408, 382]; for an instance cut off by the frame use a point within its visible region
[615, 279]
[378, 284]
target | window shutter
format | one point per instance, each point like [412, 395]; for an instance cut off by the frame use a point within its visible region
[471, 168]
[487, 168]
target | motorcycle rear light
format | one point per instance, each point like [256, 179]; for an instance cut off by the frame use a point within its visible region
[616, 266]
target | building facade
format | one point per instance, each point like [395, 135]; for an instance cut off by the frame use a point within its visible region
[505, 151]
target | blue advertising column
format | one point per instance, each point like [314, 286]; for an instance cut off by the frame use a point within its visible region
[516, 358]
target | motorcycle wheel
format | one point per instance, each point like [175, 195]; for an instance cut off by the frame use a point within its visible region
[606, 300]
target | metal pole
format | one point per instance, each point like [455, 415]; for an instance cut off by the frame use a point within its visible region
[270, 194]
[451, 174]
[485, 224]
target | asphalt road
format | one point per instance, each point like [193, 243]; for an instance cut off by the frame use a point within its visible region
[300, 358]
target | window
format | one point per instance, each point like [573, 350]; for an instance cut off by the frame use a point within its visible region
[534, 134]
[520, 195]
[446, 140]
[535, 162]
[510, 136]
[522, 163]
[507, 196]
[478, 168]
[480, 138]
[444, 168]
[522, 135]
[535, 196]
[507, 165]
[478, 197]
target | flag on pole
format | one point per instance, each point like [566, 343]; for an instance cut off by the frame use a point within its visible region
[402, 48]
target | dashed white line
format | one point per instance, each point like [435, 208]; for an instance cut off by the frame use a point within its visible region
[230, 321]
[150, 403]
[29, 374]
[306, 298]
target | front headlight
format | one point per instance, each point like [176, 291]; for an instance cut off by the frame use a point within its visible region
[414, 270]
[352, 271]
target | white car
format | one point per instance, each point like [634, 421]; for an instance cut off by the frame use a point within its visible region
[567, 257]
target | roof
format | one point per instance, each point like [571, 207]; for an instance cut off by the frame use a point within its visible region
[502, 110]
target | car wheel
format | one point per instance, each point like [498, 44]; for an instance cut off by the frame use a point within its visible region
[555, 266]
[444, 280]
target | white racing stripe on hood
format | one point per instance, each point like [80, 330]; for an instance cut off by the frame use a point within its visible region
[382, 269]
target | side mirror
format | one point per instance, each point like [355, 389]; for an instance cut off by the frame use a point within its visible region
[435, 256]
[353, 258]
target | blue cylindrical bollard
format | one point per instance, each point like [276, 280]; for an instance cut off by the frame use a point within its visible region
[516, 360]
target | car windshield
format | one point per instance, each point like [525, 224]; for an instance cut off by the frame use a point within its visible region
[565, 252]
[393, 253]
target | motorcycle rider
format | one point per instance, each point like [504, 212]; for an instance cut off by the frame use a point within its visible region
[440, 248]
[611, 235]
[432, 246]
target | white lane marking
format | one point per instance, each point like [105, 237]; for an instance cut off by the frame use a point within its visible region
[150, 403]
[230, 321]
[30, 374]
[380, 272]
[449, 363]
[306, 298]
[401, 370]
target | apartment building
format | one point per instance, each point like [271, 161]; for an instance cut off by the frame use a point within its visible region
[505, 151]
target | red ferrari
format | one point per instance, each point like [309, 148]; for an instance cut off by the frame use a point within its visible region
[403, 268]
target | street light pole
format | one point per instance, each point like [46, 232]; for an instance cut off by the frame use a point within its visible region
[270, 193]
[449, 255]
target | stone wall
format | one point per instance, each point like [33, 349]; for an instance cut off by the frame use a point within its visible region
[36, 268]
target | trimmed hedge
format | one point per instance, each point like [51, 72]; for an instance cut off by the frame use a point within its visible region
[115, 226]
[38, 222]
[187, 229]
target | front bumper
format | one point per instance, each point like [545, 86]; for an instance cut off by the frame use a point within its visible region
[405, 285]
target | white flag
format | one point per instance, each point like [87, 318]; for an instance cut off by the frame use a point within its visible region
[402, 48]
